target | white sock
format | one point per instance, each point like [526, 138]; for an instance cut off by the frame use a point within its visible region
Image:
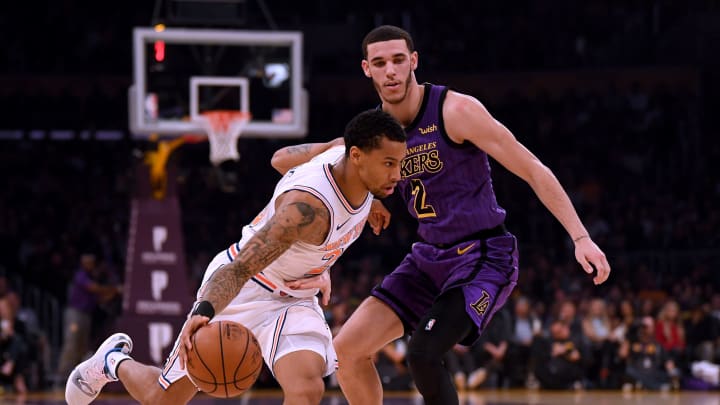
[113, 360]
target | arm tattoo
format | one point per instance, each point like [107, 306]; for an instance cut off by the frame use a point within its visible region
[307, 212]
[260, 251]
[298, 149]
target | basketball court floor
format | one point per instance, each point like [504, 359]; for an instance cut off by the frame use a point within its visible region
[501, 397]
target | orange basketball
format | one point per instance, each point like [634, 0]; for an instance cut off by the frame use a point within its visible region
[225, 359]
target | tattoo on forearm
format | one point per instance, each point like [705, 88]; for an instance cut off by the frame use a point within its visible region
[227, 282]
[262, 249]
[298, 149]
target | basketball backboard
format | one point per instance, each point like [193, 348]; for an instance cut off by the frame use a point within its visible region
[179, 73]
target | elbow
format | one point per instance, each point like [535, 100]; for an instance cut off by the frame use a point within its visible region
[278, 163]
[538, 175]
[540, 172]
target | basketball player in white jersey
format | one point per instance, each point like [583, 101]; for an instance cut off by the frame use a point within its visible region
[317, 210]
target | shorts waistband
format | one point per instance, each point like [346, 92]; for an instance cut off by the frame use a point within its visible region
[483, 234]
[269, 286]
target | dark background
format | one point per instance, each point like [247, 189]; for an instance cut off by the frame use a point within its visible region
[618, 98]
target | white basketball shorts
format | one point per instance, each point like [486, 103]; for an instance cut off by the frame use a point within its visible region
[281, 324]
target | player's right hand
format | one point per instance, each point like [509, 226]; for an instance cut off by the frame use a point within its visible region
[189, 328]
[591, 258]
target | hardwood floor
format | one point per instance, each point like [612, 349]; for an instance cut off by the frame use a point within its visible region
[492, 397]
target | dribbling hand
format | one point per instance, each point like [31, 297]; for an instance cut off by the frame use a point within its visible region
[591, 258]
[379, 217]
[189, 328]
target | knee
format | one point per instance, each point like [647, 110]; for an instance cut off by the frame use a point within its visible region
[348, 351]
[417, 359]
[309, 389]
[342, 345]
[421, 357]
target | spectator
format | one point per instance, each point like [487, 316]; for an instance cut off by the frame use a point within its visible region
[84, 297]
[27, 329]
[702, 333]
[596, 328]
[460, 362]
[670, 332]
[626, 321]
[647, 365]
[13, 350]
[567, 313]
[490, 350]
[623, 327]
[525, 328]
[557, 360]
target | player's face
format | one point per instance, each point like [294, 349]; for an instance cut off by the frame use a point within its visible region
[379, 169]
[390, 65]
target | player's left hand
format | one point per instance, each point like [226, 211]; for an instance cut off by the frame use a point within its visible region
[189, 328]
[379, 217]
[589, 255]
[322, 282]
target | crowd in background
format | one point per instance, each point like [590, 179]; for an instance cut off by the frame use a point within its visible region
[637, 160]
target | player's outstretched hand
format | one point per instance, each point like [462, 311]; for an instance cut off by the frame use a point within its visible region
[322, 282]
[589, 255]
[379, 217]
[192, 324]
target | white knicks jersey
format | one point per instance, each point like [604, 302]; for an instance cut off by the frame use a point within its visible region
[303, 259]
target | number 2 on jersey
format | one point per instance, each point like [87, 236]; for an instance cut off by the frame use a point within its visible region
[330, 258]
[421, 209]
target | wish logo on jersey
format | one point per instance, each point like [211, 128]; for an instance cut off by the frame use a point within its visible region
[428, 129]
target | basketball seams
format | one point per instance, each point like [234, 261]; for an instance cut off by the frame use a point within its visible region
[222, 357]
[257, 370]
[197, 353]
[242, 359]
[249, 340]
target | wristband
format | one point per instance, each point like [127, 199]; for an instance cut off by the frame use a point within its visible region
[580, 238]
[204, 308]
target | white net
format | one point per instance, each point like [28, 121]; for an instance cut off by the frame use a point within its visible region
[223, 128]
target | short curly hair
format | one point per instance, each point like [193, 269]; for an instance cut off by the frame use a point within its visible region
[386, 33]
[366, 130]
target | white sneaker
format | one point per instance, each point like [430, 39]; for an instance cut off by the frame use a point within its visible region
[90, 376]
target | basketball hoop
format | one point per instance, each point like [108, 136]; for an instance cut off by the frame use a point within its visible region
[223, 128]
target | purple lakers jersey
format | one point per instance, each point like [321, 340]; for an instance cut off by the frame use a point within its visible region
[446, 185]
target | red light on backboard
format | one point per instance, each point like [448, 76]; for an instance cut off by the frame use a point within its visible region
[159, 51]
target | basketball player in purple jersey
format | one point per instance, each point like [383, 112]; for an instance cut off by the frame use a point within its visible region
[465, 264]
